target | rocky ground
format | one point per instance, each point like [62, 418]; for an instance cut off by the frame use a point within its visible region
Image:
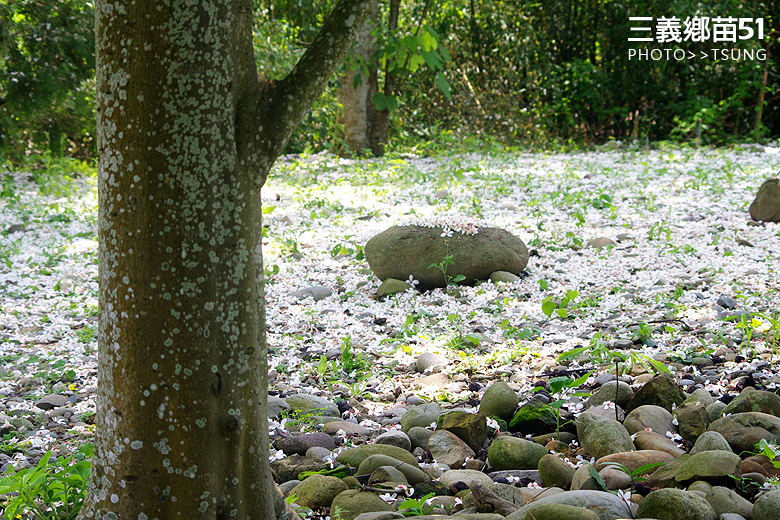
[643, 331]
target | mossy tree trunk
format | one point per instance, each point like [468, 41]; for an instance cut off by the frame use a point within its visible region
[186, 137]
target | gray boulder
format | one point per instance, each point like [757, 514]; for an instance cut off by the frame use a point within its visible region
[353, 502]
[767, 506]
[606, 505]
[714, 466]
[744, 430]
[421, 415]
[515, 453]
[312, 405]
[401, 251]
[318, 491]
[650, 416]
[499, 401]
[710, 441]
[766, 205]
[604, 437]
[414, 475]
[395, 438]
[447, 448]
[675, 504]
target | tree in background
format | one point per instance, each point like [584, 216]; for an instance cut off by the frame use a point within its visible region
[46, 57]
[187, 135]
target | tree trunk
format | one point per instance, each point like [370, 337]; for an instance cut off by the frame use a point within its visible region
[355, 99]
[186, 138]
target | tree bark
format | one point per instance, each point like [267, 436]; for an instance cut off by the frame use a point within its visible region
[186, 137]
[355, 99]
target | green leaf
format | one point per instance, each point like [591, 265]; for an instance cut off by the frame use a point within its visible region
[563, 313]
[573, 353]
[432, 58]
[581, 380]
[415, 62]
[443, 85]
[458, 278]
[598, 479]
[559, 383]
[548, 306]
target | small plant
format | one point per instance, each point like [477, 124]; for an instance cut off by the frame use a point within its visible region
[561, 388]
[416, 507]
[460, 340]
[443, 266]
[52, 490]
[559, 307]
[770, 451]
[86, 334]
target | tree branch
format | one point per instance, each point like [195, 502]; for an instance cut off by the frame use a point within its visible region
[286, 101]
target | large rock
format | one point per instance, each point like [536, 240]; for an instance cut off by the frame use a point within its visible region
[606, 505]
[414, 475]
[766, 205]
[318, 491]
[675, 504]
[708, 441]
[693, 420]
[401, 251]
[499, 401]
[535, 417]
[447, 448]
[354, 456]
[661, 391]
[650, 416]
[752, 400]
[633, 460]
[714, 466]
[617, 392]
[471, 428]
[352, 502]
[767, 506]
[604, 437]
[515, 453]
[467, 476]
[395, 438]
[555, 472]
[422, 415]
[744, 430]
[558, 512]
[300, 443]
[650, 440]
[312, 405]
[724, 500]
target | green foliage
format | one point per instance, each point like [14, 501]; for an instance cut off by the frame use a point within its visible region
[55, 489]
[559, 306]
[47, 62]
[443, 266]
[416, 507]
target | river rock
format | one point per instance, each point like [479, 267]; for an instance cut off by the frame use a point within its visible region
[51, 401]
[467, 476]
[710, 440]
[675, 504]
[604, 437]
[318, 491]
[558, 512]
[661, 391]
[312, 405]
[607, 392]
[693, 420]
[583, 480]
[752, 400]
[422, 415]
[419, 437]
[650, 440]
[499, 401]
[714, 466]
[469, 427]
[401, 251]
[555, 472]
[766, 205]
[606, 505]
[354, 456]
[514, 453]
[387, 474]
[316, 292]
[414, 475]
[430, 360]
[650, 416]
[744, 430]
[633, 459]
[290, 467]
[353, 502]
[724, 500]
[447, 448]
[300, 443]
[392, 286]
[767, 506]
[395, 438]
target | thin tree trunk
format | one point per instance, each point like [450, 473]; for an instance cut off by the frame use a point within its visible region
[760, 103]
[186, 138]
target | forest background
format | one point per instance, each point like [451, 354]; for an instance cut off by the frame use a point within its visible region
[438, 73]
